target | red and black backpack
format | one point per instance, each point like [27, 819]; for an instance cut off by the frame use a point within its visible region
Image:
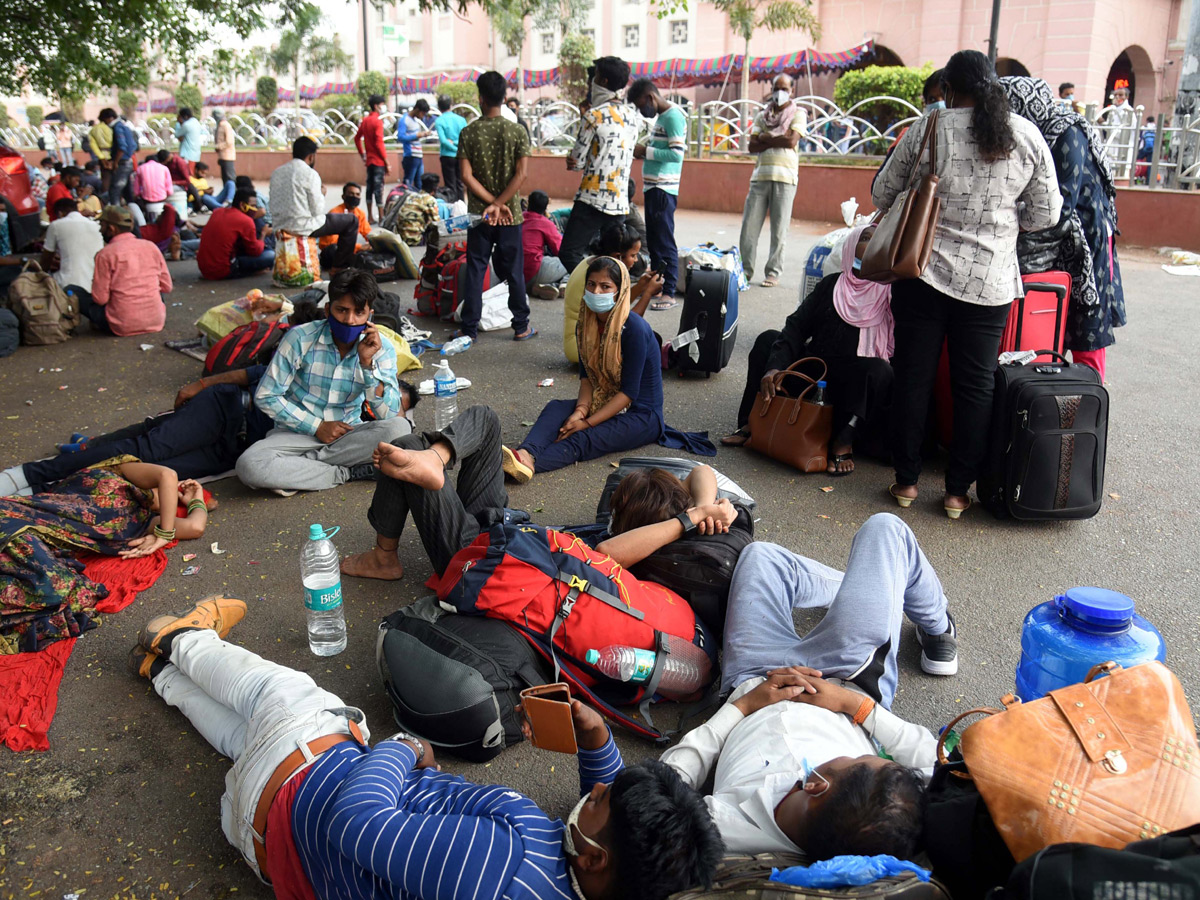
[247, 345]
[566, 599]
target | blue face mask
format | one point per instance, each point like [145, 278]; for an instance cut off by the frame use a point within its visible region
[599, 303]
[936, 104]
[345, 334]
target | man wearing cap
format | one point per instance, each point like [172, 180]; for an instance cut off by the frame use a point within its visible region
[129, 280]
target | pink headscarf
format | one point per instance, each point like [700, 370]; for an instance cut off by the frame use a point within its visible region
[865, 304]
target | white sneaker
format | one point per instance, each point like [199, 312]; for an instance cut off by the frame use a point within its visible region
[284, 493]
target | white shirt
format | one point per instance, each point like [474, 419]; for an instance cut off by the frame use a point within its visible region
[297, 200]
[758, 760]
[77, 240]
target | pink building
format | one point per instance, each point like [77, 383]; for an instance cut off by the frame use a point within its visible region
[1092, 43]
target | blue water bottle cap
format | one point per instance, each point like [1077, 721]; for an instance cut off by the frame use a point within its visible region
[820, 384]
[316, 532]
[592, 657]
[1097, 606]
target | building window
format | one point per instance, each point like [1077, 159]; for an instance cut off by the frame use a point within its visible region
[547, 41]
[633, 37]
[679, 31]
[589, 33]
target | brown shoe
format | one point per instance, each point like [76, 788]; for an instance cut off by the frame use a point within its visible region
[544, 292]
[215, 613]
[145, 664]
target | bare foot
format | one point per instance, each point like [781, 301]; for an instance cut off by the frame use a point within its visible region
[424, 468]
[212, 505]
[956, 501]
[375, 563]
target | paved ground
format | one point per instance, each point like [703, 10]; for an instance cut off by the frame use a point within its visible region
[126, 801]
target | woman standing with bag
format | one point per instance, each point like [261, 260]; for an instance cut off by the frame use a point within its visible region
[995, 177]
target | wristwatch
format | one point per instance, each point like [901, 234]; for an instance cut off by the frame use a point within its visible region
[405, 736]
[686, 521]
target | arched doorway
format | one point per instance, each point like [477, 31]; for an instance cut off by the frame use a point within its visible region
[1006, 66]
[885, 56]
[1133, 71]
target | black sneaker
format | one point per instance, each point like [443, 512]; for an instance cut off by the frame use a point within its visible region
[365, 472]
[939, 652]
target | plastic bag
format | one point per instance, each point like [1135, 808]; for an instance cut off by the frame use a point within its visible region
[846, 870]
[494, 313]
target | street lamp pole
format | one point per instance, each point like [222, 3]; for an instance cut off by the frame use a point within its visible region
[995, 31]
[366, 38]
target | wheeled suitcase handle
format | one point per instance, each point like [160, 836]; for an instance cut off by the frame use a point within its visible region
[1060, 291]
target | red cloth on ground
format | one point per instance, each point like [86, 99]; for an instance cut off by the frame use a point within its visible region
[29, 681]
[285, 869]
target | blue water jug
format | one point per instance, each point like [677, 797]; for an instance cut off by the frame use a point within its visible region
[1064, 638]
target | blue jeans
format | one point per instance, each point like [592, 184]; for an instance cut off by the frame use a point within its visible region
[374, 189]
[501, 244]
[621, 433]
[118, 186]
[886, 578]
[414, 168]
[250, 265]
[660, 236]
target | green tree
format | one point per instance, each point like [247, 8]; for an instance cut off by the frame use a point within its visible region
[35, 115]
[128, 101]
[902, 82]
[372, 83]
[266, 91]
[72, 108]
[567, 15]
[189, 95]
[508, 18]
[225, 67]
[3, 116]
[749, 16]
[300, 46]
[575, 54]
[461, 92]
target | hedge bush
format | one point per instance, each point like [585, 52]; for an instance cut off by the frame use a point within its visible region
[882, 81]
[189, 95]
[574, 56]
[372, 83]
[266, 91]
[35, 115]
[128, 102]
[460, 92]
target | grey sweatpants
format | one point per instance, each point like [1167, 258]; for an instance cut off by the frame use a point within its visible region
[285, 460]
[766, 198]
[886, 578]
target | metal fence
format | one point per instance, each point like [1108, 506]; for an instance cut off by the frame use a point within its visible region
[1157, 156]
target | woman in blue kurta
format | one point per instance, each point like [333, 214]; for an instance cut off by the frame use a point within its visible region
[620, 402]
[1083, 242]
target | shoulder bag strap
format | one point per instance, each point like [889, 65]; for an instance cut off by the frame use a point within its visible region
[930, 141]
[941, 744]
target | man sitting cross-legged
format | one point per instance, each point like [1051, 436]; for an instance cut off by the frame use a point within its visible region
[316, 812]
[798, 749]
[314, 391]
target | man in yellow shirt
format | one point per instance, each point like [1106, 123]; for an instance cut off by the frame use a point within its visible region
[100, 137]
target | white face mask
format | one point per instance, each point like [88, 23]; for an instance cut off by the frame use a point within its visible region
[780, 97]
[573, 823]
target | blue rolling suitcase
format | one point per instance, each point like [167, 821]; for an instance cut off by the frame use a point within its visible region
[710, 306]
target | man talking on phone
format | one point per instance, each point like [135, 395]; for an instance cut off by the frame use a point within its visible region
[315, 389]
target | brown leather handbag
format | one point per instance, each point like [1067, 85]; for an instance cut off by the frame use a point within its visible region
[790, 429]
[903, 239]
[1106, 762]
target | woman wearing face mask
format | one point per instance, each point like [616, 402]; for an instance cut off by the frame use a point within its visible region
[619, 406]
[996, 176]
[621, 242]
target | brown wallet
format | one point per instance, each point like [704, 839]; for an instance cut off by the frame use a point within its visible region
[547, 708]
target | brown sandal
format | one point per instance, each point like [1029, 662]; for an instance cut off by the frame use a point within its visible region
[737, 439]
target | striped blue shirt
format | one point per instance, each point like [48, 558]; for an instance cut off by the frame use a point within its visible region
[308, 381]
[366, 824]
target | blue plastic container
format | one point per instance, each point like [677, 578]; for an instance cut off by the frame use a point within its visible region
[1064, 638]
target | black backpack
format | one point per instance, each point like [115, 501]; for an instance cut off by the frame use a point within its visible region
[456, 680]
[247, 345]
[1163, 868]
[386, 311]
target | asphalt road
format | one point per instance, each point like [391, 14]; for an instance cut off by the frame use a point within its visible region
[125, 803]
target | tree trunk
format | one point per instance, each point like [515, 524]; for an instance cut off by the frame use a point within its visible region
[746, 118]
[296, 64]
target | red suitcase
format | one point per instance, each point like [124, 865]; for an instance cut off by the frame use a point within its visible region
[1037, 321]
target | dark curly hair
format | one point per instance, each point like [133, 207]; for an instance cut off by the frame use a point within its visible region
[869, 811]
[970, 73]
[661, 835]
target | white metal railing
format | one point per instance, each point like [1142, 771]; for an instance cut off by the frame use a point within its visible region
[715, 128]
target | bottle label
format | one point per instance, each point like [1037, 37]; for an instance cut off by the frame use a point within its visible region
[323, 599]
[643, 665]
[445, 388]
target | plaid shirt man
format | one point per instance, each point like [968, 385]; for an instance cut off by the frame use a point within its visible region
[308, 382]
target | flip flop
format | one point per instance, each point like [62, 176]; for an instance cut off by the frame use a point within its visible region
[840, 458]
[663, 305]
[769, 282]
[531, 333]
[736, 439]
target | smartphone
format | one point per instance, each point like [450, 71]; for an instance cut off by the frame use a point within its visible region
[547, 709]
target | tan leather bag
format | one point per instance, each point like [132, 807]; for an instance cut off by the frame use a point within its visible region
[790, 429]
[1106, 762]
[903, 239]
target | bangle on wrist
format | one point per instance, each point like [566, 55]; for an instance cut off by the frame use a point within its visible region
[197, 504]
[164, 534]
[864, 710]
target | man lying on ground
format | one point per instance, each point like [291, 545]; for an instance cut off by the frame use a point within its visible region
[448, 516]
[799, 748]
[314, 391]
[317, 812]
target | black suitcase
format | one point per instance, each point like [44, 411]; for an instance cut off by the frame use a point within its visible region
[1047, 445]
[711, 307]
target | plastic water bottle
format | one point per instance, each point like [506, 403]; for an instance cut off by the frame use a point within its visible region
[818, 396]
[323, 593]
[1063, 638]
[458, 345]
[445, 396]
[686, 670]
